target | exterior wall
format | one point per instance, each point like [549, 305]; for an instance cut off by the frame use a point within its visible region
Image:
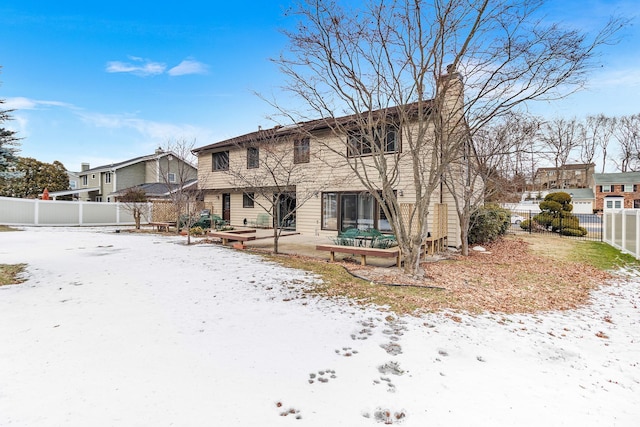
[617, 190]
[151, 171]
[329, 172]
[157, 170]
[130, 176]
[107, 187]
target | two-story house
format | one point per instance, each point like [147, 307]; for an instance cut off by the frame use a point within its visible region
[100, 184]
[565, 176]
[316, 174]
[617, 190]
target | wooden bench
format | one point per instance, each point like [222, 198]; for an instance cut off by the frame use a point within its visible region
[161, 226]
[227, 237]
[363, 252]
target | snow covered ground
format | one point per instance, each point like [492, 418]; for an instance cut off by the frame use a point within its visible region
[118, 329]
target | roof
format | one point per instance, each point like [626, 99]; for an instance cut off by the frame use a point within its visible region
[157, 189]
[114, 166]
[303, 128]
[575, 166]
[577, 193]
[617, 178]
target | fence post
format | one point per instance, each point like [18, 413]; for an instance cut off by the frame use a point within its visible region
[637, 234]
[530, 222]
[623, 236]
[36, 212]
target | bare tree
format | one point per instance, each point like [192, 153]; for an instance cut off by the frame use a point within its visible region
[276, 178]
[385, 66]
[561, 137]
[134, 200]
[176, 171]
[596, 133]
[627, 134]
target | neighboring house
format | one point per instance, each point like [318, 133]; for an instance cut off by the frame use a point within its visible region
[338, 199]
[101, 183]
[617, 190]
[566, 176]
[582, 199]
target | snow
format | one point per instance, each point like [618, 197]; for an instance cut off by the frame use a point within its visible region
[119, 329]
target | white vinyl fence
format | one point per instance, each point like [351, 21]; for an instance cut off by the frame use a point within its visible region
[621, 229]
[62, 213]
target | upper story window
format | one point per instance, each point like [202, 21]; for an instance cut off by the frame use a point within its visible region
[607, 188]
[107, 178]
[628, 188]
[301, 151]
[253, 157]
[220, 161]
[383, 140]
[171, 177]
[85, 180]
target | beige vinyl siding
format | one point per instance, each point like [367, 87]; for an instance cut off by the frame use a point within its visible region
[330, 172]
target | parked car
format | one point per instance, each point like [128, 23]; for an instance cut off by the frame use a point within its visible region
[517, 219]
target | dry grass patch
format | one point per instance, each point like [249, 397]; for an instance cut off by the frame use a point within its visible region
[10, 273]
[518, 274]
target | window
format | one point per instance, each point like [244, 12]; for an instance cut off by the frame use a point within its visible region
[253, 158]
[636, 204]
[628, 188]
[107, 178]
[171, 177]
[93, 176]
[617, 204]
[330, 211]
[606, 189]
[85, 179]
[346, 210]
[301, 151]
[73, 185]
[247, 200]
[383, 139]
[220, 161]
[98, 198]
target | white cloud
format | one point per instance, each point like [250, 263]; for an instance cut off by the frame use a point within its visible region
[157, 131]
[188, 66]
[21, 103]
[139, 67]
[144, 67]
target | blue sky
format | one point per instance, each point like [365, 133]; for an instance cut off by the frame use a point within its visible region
[102, 82]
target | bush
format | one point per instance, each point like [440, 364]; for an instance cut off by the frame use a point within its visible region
[526, 224]
[575, 232]
[544, 219]
[197, 231]
[488, 223]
